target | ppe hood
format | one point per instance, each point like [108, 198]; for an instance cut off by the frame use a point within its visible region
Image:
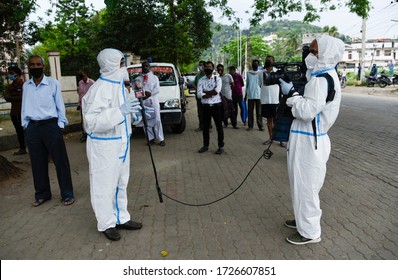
[330, 52]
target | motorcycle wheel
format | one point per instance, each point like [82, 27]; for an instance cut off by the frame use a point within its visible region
[369, 83]
[382, 83]
[395, 81]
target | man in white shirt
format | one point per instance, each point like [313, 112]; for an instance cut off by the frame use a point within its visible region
[270, 100]
[209, 88]
[226, 97]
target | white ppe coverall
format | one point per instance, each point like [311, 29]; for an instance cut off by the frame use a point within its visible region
[306, 164]
[151, 83]
[108, 141]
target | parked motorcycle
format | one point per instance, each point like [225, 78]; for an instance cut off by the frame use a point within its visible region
[395, 79]
[371, 81]
[384, 80]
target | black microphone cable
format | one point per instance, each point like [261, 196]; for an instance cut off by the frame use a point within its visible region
[266, 154]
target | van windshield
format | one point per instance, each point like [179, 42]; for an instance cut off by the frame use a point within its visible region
[165, 74]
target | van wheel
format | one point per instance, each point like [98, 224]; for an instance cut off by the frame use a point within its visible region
[180, 127]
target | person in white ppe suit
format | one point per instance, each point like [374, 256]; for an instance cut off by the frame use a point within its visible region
[151, 87]
[308, 153]
[108, 111]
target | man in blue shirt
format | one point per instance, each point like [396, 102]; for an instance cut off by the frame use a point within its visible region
[43, 117]
[253, 93]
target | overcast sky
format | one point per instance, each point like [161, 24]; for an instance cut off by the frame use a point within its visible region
[379, 25]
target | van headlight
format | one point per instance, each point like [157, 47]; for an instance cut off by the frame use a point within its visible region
[172, 103]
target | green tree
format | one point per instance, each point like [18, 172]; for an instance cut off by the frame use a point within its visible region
[167, 30]
[13, 14]
[68, 34]
[278, 8]
[332, 30]
[257, 49]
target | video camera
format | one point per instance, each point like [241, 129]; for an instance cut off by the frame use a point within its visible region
[289, 72]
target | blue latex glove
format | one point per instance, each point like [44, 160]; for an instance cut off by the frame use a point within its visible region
[130, 106]
[286, 87]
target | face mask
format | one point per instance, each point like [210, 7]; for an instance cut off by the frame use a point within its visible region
[124, 74]
[311, 60]
[255, 67]
[208, 71]
[36, 72]
[145, 70]
[267, 64]
[12, 77]
[200, 68]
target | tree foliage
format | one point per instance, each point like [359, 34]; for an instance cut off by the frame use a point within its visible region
[13, 14]
[68, 34]
[167, 30]
[279, 8]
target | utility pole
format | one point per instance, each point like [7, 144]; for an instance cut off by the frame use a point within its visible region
[246, 54]
[363, 49]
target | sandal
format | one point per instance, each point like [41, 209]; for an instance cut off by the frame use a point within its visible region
[283, 144]
[68, 201]
[269, 141]
[39, 202]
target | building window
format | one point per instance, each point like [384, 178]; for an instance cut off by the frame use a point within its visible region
[377, 52]
[387, 52]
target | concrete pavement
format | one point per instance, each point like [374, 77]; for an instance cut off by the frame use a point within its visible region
[359, 200]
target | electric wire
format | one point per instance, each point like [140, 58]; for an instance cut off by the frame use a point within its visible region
[266, 154]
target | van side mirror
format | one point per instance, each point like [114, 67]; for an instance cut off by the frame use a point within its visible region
[181, 80]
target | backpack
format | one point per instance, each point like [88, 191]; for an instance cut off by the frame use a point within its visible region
[284, 117]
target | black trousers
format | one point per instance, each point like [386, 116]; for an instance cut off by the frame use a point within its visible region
[16, 120]
[254, 103]
[46, 138]
[216, 112]
[237, 101]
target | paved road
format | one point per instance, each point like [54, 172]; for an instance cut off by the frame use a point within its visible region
[359, 198]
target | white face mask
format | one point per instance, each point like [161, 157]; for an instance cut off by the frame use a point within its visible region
[123, 74]
[311, 60]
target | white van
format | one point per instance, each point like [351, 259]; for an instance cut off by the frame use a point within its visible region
[171, 96]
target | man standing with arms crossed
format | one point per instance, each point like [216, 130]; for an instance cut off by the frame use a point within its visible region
[209, 89]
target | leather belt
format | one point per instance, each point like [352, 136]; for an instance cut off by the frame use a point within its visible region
[211, 105]
[44, 121]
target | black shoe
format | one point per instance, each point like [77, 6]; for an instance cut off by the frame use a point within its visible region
[220, 151]
[203, 149]
[151, 142]
[249, 128]
[291, 224]
[225, 125]
[20, 152]
[130, 225]
[112, 234]
[235, 127]
[162, 143]
[261, 129]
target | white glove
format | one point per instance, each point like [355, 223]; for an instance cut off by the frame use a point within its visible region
[149, 111]
[130, 106]
[286, 87]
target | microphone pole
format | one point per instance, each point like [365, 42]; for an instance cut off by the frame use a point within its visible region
[139, 93]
